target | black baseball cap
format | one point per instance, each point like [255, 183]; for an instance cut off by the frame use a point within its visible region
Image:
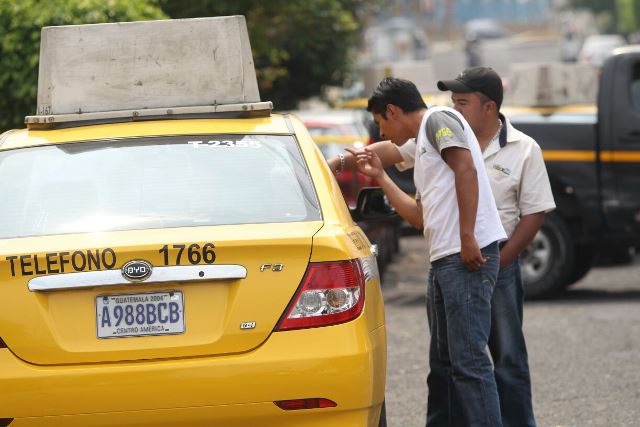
[476, 79]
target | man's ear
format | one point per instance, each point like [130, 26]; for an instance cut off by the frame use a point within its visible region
[392, 111]
[491, 106]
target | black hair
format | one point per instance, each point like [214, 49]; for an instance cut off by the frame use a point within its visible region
[399, 92]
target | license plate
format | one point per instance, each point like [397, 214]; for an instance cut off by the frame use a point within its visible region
[135, 315]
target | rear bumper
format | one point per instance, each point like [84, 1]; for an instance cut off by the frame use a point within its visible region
[261, 414]
[345, 363]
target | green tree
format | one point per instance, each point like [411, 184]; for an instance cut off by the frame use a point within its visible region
[299, 46]
[622, 15]
[597, 6]
[627, 15]
[20, 24]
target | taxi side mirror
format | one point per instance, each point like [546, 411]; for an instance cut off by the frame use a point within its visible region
[372, 203]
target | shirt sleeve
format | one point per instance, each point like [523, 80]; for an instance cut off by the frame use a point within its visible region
[444, 130]
[535, 189]
[408, 153]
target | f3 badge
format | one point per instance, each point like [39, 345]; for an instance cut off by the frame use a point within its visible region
[271, 267]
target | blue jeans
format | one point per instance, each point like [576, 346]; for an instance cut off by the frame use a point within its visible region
[459, 313]
[509, 351]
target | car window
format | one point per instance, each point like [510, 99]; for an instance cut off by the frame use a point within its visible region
[324, 131]
[346, 129]
[154, 182]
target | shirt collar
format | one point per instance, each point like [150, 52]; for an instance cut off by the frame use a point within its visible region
[511, 134]
[502, 138]
[507, 134]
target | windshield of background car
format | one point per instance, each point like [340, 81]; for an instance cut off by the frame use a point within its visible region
[342, 130]
[154, 182]
[331, 150]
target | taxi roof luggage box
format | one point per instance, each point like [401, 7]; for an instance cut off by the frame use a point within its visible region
[152, 68]
[552, 84]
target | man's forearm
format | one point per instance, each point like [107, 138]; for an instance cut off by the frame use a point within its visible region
[386, 150]
[404, 204]
[467, 194]
[466, 182]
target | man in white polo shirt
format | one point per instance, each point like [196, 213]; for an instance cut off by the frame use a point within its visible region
[457, 212]
[523, 195]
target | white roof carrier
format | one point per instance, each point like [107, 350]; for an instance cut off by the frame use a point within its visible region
[128, 71]
[551, 84]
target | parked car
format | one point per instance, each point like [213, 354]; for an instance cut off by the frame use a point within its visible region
[482, 29]
[397, 39]
[475, 32]
[333, 131]
[597, 48]
[179, 265]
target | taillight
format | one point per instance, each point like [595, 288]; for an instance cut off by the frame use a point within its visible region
[330, 293]
[296, 404]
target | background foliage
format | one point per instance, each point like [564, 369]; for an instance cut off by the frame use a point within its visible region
[20, 24]
[299, 45]
[618, 15]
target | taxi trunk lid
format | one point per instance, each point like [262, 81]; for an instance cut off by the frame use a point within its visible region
[228, 284]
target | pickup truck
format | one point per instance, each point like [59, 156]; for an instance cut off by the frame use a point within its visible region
[592, 156]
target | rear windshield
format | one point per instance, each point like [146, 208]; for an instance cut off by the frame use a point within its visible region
[155, 182]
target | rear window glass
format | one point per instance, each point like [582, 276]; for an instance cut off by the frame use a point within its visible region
[155, 182]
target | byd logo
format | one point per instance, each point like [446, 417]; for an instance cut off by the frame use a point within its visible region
[136, 270]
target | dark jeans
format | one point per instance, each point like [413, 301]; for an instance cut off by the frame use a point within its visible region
[509, 351]
[459, 313]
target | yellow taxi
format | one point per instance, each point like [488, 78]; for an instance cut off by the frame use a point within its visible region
[181, 271]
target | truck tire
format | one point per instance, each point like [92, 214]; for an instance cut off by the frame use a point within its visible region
[547, 263]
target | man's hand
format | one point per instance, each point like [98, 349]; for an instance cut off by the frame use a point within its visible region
[470, 253]
[507, 258]
[524, 233]
[368, 162]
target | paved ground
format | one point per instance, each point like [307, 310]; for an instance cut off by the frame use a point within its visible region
[584, 346]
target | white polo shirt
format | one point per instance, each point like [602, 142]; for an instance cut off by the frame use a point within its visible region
[442, 128]
[516, 171]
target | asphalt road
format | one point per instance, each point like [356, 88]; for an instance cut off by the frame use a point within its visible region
[584, 346]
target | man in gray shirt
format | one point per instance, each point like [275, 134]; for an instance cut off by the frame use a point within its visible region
[461, 223]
